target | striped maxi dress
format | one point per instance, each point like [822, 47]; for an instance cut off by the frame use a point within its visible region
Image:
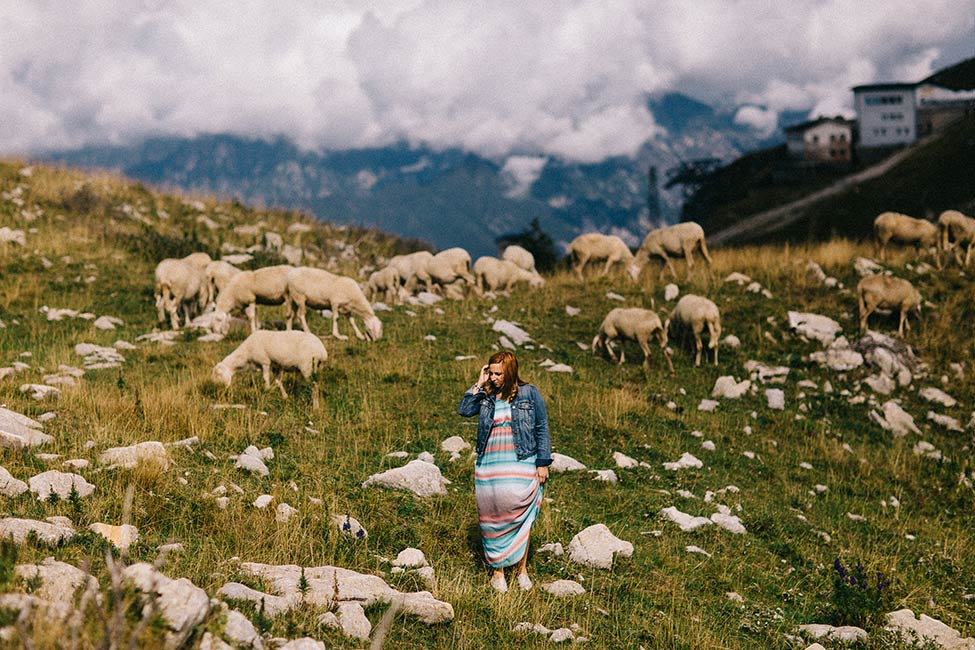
[508, 493]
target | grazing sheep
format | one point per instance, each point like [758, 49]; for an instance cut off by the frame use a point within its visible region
[520, 257]
[448, 266]
[247, 289]
[634, 324]
[218, 275]
[267, 349]
[319, 289]
[956, 230]
[900, 228]
[887, 292]
[386, 285]
[179, 285]
[413, 269]
[493, 274]
[694, 313]
[595, 247]
[679, 240]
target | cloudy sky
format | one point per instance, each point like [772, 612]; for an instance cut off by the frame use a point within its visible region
[566, 78]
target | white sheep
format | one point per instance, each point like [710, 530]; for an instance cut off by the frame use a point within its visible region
[270, 349]
[595, 247]
[386, 285]
[887, 292]
[247, 289]
[412, 269]
[678, 240]
[494, 274]
[520, 257]
[449, 266]
[180, 285]
[694, 313]
[218, 275]
[634, 324]
[319, 289]
[957, 230]
[900, 228]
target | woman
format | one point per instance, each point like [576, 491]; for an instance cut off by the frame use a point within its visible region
[513, 455]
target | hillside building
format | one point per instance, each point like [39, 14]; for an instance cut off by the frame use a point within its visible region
[896, 114]
[823, 140]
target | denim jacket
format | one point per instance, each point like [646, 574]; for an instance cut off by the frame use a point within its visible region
[529, 421]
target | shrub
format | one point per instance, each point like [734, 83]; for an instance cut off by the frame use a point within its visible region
[859, 597]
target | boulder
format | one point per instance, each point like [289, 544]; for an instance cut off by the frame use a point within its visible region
[596, 546]
[53, 531]
[814, 326]
[728, 387]
[57, 581]
[121, 537]
[895, 419]
[423, 479]
[927, 630]
[181, 604]
[60, 483]
[150, 452]
[10, 486]
[564, 588]
[563, 463]
[847, 634]
[685, 521]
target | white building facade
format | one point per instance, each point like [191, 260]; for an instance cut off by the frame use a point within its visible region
[886, 114]
[826, 139]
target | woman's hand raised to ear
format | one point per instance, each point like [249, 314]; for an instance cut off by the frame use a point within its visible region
[483, 379]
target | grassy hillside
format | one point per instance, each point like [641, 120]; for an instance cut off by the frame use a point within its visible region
[91, 246]
[936, 178]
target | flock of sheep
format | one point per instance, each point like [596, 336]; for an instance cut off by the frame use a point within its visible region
[187, 286]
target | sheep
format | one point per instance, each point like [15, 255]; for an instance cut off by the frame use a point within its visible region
[520, 257]
[291, 350]
[635, 324]
[386, 284]
[413, 269]
[448, 266]
[594, 246]
[180, 284]
[679, 240]
[493, 274]
[218, 275]
[887, 292]
[956, 230]
[265, 286]
[320, 289]
[900, 228]
[695, 313]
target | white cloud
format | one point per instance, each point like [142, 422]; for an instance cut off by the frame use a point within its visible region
[519, 172]
[762, 120]
[566, 79]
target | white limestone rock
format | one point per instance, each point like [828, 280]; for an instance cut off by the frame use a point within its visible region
[252, 460]
[18, 431]
[685, 521]
[108, 322]
[349, 525]
[738, 278]
[410, 558]
[563, 588]
[881, 383]
[121, 537]
[927, 630]
[671, 291]
[455, 445]
[731, 341]
[53, 531]
[150, 453]
[839, 356]
[937, 396]
[423, 479]
[847, 634]
[945, 421]
[10, 486]
[563, 463]
[776, 398]
[284, 512]
[60, 483]
[40, 391]
[814, 326]
[728, 387]
[865, 267]
[623, 461]
[707, 405]
[729, 522]
[57, 581]
[596, 546]
[351, 619]
[685, 461]
[766, 374]
[273, 605]
[517, 335]
[181, 604]
[895, 419]
[606, 475]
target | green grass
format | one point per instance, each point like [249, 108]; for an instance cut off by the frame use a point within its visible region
[401, 392]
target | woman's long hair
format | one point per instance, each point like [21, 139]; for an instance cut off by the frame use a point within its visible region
[509, 367]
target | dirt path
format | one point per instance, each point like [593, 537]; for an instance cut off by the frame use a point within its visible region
[771, 220]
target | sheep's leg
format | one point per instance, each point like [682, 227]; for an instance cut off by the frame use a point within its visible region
[968, 254]
[335, 328]
[280, 385]
[865, 312]
[900, 325]
[645, 346]
[580, 264]
[663, 348]
[609, 349]
[359, 335]
[698, 347]
[315, 399]
[251, 311]
[266, 374]
[622, 350]
[606, 267]
[303, 317]
[689, 258]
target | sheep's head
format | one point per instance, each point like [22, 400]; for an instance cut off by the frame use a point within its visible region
[374, 328]
[916, 301]
[221, 322]
[634, 270]
[221, 374]
[536, 281]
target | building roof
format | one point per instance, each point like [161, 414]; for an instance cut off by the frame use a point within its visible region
[887, 86]
[839, 119]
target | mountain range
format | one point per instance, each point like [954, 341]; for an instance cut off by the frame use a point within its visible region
[444, 197]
